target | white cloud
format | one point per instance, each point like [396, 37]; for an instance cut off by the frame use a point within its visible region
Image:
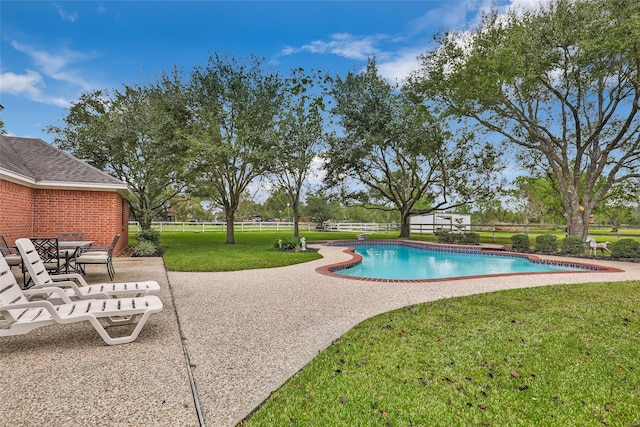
[449, 15]
[342, 44]
[56, 64]
[524, 5]
[66, 16]
[398, 67]
[28, 83]
[52, 79]
[31, 85]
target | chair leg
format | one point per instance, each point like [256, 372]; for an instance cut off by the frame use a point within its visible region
[111, 270]
[121, 340]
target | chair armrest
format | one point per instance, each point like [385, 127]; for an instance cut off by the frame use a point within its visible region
[58, 292]
[62, 284]
[36, 304]
[69, 276]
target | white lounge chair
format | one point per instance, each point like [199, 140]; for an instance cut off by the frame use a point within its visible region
[74, 285]
[19, 316]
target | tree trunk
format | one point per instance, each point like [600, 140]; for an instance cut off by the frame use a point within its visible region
[576, 224]
[405, 225]
[296, 228]
[229, 216]
[145, 218]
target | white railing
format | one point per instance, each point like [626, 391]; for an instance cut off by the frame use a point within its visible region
[203, 227]
[360, 226]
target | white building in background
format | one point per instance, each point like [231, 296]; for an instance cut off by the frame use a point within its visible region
[441, 222]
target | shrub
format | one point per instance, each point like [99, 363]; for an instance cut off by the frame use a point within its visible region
[546, 243]
[573, 245]
[287, 244]
[470, 238]
[458, 238]
[150, 235]
[626, 248]
[145, 248]
[520, 243]
[444, 237]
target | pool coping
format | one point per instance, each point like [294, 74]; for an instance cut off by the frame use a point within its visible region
[330, 270]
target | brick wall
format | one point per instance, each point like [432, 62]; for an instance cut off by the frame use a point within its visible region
[16, 211]
[99, 215]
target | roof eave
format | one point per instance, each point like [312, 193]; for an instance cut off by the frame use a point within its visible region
[123, 189]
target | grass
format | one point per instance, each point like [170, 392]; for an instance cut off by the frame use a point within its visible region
[208, 251]
[195, 251]
[552, 356]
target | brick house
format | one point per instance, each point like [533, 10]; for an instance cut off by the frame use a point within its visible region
[45, 191]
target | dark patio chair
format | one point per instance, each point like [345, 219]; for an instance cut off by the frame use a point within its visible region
[47, 248]
[99, 257]
[70, 237]
[11, 255]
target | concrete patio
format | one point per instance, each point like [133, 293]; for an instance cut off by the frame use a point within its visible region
[244, 334]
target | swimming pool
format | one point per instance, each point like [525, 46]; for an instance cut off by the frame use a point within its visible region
[419, 262]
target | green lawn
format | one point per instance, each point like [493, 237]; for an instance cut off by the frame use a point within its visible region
[208, 252]
[196, 251]
[549, 356]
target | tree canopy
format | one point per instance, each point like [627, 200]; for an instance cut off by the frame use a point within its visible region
[404, 156]
[134, 134]
[301, 136]
[232, 140]
[561, 83]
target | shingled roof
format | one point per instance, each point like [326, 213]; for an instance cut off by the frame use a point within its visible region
[37, 163]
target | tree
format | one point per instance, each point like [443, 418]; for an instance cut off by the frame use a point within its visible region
[619, 202]
[400, 152]
[248, 208]
[133, 134]
[235, 105]
[537, 197]
[275, 207]
[189, 208]
[490, 210]
[320, 208]
[301, 136]
[561, 83]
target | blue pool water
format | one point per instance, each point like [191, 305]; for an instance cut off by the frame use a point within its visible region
[399, 262]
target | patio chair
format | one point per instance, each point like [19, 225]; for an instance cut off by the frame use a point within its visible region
[11, 255]
[70, 236]
[19, 316]
[99, 257]
[73, 283]
[47, 248]
[102, 250]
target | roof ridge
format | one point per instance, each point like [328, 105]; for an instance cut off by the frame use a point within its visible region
[43, 162]
[16, 155]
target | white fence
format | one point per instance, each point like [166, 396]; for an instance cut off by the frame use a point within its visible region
[262, 226]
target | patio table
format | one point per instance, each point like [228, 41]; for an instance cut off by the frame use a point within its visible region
[71, 249]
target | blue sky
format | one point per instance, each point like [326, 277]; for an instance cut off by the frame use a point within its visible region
[51, 52]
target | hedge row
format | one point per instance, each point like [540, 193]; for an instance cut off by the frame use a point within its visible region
[548, 244]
